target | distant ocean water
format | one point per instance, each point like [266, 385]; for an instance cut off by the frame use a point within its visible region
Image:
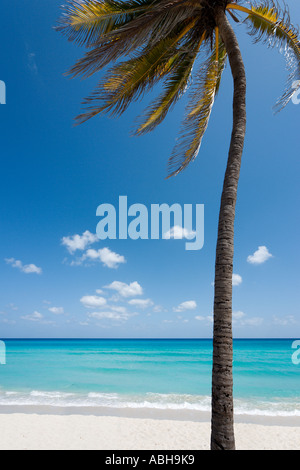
[157, 374]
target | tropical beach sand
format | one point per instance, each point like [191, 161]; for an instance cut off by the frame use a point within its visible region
[87, 432]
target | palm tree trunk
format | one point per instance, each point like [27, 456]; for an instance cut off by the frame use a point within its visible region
[222, 437]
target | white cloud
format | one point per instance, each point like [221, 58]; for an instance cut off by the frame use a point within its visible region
[141, 303]
[57, 310]
[179, 320]
[118, 309]
[79, 242]
[126, 290]
[159, 309]
[82, 242]
[238, 315]
[27, 268]
[105, 256]
[285, 321]
[111, 315]
[236, 279]
[260, 256]
[208, 318]
[32, 62]
[92, 301]
[240, 319]
[35, 316]
[188, 305]
[254, 321]
[179, 233]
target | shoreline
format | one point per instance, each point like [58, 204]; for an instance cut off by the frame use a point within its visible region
[193, 416]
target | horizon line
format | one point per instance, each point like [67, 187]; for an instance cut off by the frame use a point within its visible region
[150, 339]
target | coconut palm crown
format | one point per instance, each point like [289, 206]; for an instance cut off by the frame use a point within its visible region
[161, 40]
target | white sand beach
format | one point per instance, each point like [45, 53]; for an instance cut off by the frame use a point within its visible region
[71, 432]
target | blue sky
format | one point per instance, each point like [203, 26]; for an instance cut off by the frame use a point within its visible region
[55, 175]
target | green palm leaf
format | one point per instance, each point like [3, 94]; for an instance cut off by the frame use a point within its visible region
[199, 110]
[126, 82]
[86, 22]
[145, 30]
[160, 39]
[272, 25]
[175, 86]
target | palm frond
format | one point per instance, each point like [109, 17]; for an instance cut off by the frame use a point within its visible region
[147, 29]
[272, 25]
[199, 110]
[126, 81]
[175, 86]
[85, 22]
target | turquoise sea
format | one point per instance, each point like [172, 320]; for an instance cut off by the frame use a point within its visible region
[160, 374]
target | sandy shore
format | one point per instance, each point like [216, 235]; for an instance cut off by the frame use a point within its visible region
[83, 432]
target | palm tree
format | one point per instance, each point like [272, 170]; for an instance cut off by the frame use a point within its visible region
[161, 40]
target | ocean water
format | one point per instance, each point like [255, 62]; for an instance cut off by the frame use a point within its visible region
[157, 374]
